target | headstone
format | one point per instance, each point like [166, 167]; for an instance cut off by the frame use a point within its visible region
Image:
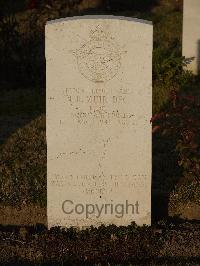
[99, 106]
[191, 34]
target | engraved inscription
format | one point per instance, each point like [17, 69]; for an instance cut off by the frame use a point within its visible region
[98, 112]
[99, 59]
[98, 101]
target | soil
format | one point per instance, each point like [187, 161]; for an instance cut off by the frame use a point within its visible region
[23, 216]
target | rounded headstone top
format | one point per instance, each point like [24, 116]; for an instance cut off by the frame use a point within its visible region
[136, 20]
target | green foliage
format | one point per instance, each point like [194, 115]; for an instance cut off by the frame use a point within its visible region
[188, 143]
[167, 29]
[168, 75]
[181, 122]
[168, 62]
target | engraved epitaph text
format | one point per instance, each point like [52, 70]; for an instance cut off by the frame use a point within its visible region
[99, 101]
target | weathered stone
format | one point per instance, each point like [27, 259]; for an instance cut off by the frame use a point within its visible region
[191, 34]
[99, 102]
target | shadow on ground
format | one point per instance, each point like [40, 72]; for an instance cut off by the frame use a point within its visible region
[18, 108]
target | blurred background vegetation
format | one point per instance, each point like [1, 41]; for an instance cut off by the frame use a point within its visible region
[176, 159]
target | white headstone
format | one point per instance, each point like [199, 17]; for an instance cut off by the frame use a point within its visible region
[191, 34]
[99, 106]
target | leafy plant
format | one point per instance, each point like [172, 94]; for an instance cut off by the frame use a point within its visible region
[168, 76]
[181, 122]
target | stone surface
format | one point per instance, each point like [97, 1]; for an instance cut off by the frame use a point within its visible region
[191, 34]
[99, 104]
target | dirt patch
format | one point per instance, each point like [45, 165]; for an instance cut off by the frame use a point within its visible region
[184, 201]
[189, 211]
[26, 215]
